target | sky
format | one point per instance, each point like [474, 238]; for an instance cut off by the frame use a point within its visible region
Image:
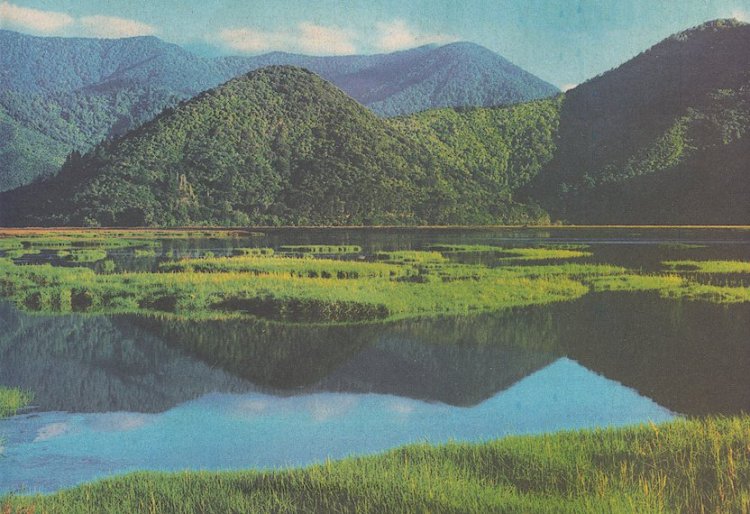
[564, 41]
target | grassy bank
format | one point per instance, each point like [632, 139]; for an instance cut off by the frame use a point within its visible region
[683, 466]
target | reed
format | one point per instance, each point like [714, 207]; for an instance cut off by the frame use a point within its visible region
[698, 465]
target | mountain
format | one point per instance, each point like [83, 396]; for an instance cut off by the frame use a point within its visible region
[74, 92]
[281, 145]
[428, 77]
[664, 138]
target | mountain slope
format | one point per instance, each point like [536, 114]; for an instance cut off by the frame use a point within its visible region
[661, 139]
[78, 91]
[279, 145]
[428, 77]
[22, 148]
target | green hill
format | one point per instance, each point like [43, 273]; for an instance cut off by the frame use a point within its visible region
[281, 145]
[661, 139]
[68, 94]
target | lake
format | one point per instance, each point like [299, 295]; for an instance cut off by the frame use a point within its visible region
[122, 392]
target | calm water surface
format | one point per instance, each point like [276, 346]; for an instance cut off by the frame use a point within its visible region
[114, 394]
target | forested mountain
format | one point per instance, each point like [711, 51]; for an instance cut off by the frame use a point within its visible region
[661, 139]
[65, 94]
[453, 75]
[281, 145]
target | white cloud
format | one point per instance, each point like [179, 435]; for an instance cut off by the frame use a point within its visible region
[567, 87]
[50, 22]
[114, 27]
[308, 37]
[251, 40]
[397, 35]
[319, 39]
[24, 18]
[741, 15]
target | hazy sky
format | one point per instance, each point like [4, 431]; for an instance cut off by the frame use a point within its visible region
[564, 41]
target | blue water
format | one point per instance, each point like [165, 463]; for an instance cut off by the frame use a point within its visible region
[52, 450]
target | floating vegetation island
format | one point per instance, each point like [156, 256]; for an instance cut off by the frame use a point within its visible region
[324, 283]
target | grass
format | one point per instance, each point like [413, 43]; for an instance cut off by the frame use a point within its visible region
[12, 400]
[517, 254]
[321, 249]
[709, 266]
[308, 288]
[84, 255]
[683, 466]
[257, 252]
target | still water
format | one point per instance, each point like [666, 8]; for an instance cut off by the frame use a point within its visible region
[115, 394]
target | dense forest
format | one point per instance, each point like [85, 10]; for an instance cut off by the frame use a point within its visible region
[63, 94]
[661, 139]
[281, 145]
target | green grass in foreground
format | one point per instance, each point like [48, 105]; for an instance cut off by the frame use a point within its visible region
[13, 399]
[683, 466]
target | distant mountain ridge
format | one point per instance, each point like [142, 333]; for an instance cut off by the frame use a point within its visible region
[76, 92]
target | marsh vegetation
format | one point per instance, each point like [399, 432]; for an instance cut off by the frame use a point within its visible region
[378, 330]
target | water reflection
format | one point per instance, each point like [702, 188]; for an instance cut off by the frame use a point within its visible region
[219, 431]
[95, 364]
[691, 357]
[454, 360]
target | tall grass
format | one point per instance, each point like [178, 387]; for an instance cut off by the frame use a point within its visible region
[683, 466]
[13, 399]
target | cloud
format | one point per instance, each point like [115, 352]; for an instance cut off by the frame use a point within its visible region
[24, 18]
[307, 37]
[397, 35]
[567, 87]
[251, 40]
[319, 39]
[51, 22]
[741, 15]
[114, 27]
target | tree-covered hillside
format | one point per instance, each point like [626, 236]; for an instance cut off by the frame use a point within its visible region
[664, 138]
[661, 139]
[281, 145]
[67, 94]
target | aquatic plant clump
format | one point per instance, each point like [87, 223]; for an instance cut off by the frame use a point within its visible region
[306, 287]
[682, 466]
[521, 254]
[709, 266]
[12, 400]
